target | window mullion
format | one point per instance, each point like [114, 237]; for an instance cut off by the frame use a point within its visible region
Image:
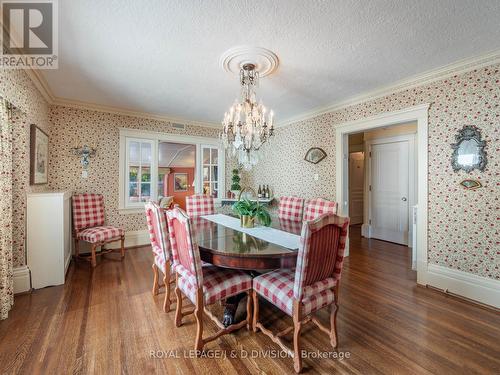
[139, 174]
[154, 170]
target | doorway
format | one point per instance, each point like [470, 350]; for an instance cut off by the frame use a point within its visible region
[356, 186]
[418, 114]
[391, 184]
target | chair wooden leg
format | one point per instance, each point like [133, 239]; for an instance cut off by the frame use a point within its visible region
[77, 248]
[297, 326]
[122, 248]
[166, 281]
[178, 308]
[198, 313]
[156, 287]
[94, 261]
[249, 310]
[333, 324]
[255, 310]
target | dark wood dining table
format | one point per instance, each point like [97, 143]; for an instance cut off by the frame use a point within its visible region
[230, 248]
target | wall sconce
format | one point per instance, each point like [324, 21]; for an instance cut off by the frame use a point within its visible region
[85, 153]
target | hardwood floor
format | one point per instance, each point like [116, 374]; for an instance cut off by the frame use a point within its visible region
[107, 322]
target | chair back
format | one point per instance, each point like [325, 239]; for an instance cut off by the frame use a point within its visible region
[291, 208]
[185, 252]
[291, 226]
[88, 211]
[166, 202]
[157, 228]
[199, 205]
[314, 208]
[321, 252]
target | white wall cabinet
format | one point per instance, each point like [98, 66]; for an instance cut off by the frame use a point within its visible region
[48, 237]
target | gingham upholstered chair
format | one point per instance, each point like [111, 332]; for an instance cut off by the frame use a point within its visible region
[203, 286]
[160, 244]
[291, 226]
[199, 205]
[88, 226]
[317, 207]
[312, 286]
[291, 208]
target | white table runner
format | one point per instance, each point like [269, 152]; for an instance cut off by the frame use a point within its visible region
[275, 236]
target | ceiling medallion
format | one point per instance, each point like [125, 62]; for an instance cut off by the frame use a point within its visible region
[248, 124]
[265, 61]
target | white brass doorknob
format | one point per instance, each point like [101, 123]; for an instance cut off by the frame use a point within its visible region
[404, 199]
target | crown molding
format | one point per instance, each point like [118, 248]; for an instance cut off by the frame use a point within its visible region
[422, 79]
[77, 104]
[430, 76]
[41, 84]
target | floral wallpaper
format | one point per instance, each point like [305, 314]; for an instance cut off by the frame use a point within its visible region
[17, 88]
[72, 127]
[464, 225]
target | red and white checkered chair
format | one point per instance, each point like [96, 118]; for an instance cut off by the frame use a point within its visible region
[314, 208]
[203, 286]
[312, 286]
[291, 208]
[88, 226]
[160, 244]
[291, 226]
[199, 205]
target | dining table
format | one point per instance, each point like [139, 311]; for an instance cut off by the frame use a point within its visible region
[224, 243]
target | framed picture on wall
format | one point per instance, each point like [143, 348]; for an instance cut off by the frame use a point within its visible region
[180, 181]
[39, 156]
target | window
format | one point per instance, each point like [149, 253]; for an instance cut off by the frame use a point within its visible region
[210, 164]
[138, 170]
[143, 172]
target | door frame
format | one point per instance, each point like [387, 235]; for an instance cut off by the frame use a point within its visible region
[420, 114]
[412, 186]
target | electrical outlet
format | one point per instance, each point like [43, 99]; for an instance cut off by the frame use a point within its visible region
[316, 177]
[85, 174]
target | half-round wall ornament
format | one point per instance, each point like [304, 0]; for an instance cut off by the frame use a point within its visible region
[315, 155]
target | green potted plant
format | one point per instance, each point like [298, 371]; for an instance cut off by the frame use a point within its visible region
[235, 183]
[248, 211]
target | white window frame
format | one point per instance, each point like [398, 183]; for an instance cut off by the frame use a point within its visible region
[200, 174]
[127, 135]
[153, 167]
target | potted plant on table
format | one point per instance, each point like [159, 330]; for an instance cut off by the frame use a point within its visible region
[235, 182]
[248, 211]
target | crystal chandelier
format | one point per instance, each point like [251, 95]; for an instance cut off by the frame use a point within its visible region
[247, 125]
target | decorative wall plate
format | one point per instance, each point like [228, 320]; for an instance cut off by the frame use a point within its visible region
[471, 184]
[315, 155]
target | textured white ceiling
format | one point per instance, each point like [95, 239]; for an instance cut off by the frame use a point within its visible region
[162, 56]
[176, 155]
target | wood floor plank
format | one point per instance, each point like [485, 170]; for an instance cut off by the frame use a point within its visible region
[106, 321]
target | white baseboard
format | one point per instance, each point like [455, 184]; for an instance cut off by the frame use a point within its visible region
[22, 280]
[477, 288]
[133, 238]
[365, 230]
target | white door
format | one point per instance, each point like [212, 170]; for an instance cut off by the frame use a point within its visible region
[356, 186]
[389, 191]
